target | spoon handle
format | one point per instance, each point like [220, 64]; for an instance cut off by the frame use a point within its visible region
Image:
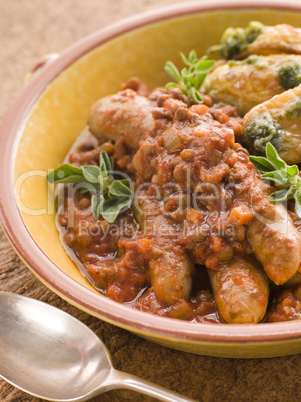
[118, 379]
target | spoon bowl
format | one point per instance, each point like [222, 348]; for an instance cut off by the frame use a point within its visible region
[51, 355]
[48, 347]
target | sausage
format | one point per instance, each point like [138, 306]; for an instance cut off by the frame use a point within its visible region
[276, 243]
[171, 266]
[241, 291]
[170, 275]
[129, 116]
[126, 114]
[272, 234]
[266, 237]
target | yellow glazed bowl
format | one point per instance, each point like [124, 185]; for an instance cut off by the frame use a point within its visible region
[50, 113]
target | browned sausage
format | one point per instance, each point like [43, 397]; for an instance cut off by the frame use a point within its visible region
[126, 114]
[275, 240]
[241, 291]
[127, 118]
[171, 265]
[276, 243]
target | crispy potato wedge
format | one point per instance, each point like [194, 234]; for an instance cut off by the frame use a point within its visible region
[248, 83]
[256, 38]
[278, 120]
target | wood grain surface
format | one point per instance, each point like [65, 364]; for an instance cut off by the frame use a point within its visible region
[28, 30]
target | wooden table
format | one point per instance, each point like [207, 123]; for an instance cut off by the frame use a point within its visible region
[28, 30]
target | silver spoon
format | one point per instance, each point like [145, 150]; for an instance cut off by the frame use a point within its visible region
[51, 355]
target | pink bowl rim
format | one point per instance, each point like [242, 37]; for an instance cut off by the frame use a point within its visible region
[50, 273]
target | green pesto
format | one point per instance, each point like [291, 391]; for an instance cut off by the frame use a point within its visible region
[252, 31]
[292, 110]
[236, 40]
[289, 74]
[253, 59]
[261, 130]
[232, 43]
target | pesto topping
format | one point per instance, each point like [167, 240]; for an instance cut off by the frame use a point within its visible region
[289, 74]
[261, 130]
[252, 59]
[293, 110]
[236, 40]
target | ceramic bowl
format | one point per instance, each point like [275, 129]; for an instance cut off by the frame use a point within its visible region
[52, 110]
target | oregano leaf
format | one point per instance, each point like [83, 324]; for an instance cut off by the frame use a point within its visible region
[65, 174]
[96, 202]
[192, 76]
[297, 197]
[112, 207]
[262, 164]
[273, 157]
[91, 173]
[119, 189]
[108, 195]
[281, 195]
[106, 161]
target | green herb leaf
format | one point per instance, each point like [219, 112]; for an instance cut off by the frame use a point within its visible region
[276, 177]
[96, 203]
[273, 157]
[172, 70]
[112, 207]
[262, 164]
[92, 188]
[126, 182]
[196, 96]
[292, 170]
[91, 173]
[106, 162]
[109, 196]
[173, 85]
[102, 167]
[204, 65]
[275, 169]
[192, 57]
[119, 189]
[65, 174]
[281, 195]
[297, 197]
[191, 78]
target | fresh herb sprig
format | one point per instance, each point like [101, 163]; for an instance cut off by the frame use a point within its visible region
[190, 79]
[109, 197]
[287, 177]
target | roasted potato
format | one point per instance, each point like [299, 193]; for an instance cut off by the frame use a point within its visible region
[278, 120]
[239, 43]
[250, 82]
